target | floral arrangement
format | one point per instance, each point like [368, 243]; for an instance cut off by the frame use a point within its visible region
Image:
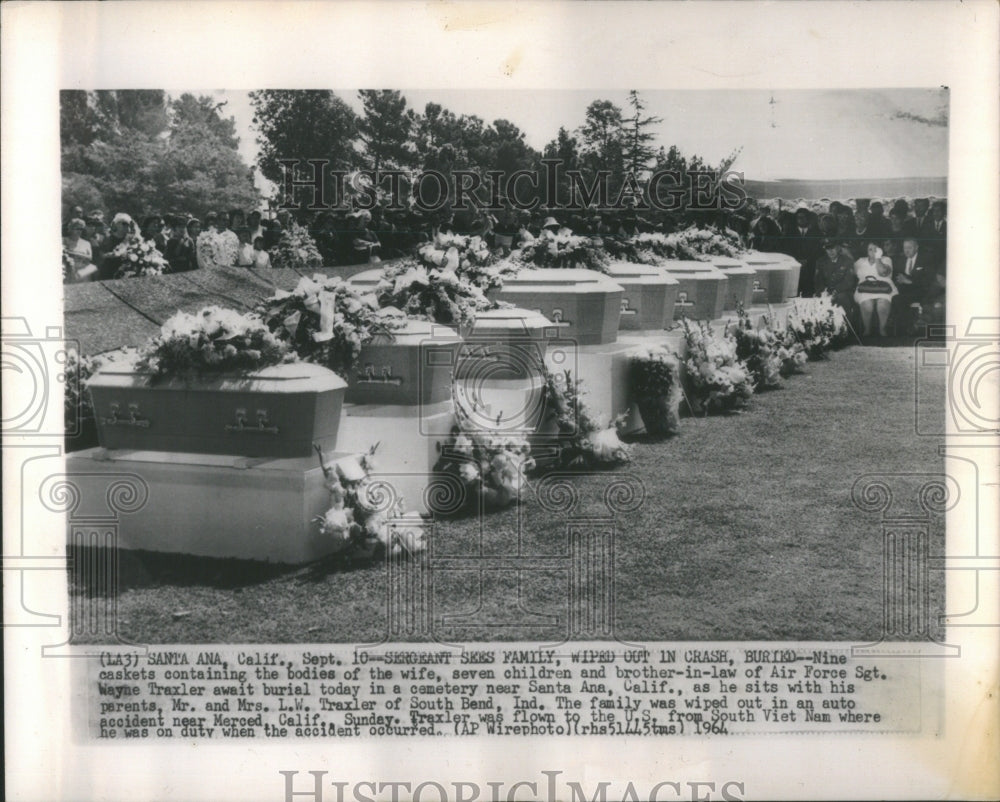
[436, 294]
[495, 464]
[214, 341]
[817, 324]
[326, 321]
[717, 379]
[655, 386]
[468, 257]
[583, 441]
[693, 243]
[562, 249]
[296, 249]
[771, 355]
[358, 520]
[139, 257]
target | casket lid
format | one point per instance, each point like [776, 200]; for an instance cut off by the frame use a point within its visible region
[571, 279]
[688, 268]
[757, 258]
[728, 264]
[366, 279]
[511, 319]
[418, 332]
[291, 377]
[631, 273]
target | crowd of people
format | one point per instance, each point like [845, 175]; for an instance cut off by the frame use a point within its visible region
[883, 270]
[879, 268]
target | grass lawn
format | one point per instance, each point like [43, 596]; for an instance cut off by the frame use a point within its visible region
[747, 532]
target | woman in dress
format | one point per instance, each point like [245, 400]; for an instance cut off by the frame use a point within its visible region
[875, 289]
[80, 252]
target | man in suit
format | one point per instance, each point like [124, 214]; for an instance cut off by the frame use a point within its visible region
[915, 276]
[878, 225]
[938, 232]
[921, 206]
[802, 243]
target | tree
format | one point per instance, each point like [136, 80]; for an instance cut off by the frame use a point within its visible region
[638, 150]
[566, 149]
[190, 111]
[141, 153]
[385, 129]
[603, 140]
[505, 149]
[304, 124]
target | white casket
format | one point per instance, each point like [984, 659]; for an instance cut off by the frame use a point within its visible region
[504, 343]
[410, 366]
[740, 287]
[279, 411]
[701, 293]
[776, 277]
[582, 305]
[649, 296]
[499, 379]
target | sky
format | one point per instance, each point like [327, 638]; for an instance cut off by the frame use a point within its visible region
[803, 134]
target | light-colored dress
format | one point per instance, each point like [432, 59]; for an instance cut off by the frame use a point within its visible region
[864, 269]
[83, 258]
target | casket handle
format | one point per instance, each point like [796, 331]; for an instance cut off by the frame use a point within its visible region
[133, 418]
[263, 424]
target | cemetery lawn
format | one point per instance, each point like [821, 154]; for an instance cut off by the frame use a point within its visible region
[747, 532]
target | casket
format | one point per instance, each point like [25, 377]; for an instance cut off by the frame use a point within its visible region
[410, 366]
[583, 305]
[276, 412]
[793, 278]
[701, 291]
[504, 344]
[366, 280]
[740, 287]
[777, 277]
[649, 295]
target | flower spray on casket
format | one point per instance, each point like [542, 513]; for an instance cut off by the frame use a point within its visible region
[363, 509]
[326, 321]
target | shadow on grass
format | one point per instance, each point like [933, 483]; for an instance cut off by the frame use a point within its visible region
[148, 569]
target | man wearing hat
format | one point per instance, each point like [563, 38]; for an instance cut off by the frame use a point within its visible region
[835, 274]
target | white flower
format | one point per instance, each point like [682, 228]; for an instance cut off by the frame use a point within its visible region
[468, 472]
[336, 523]
[607, 447]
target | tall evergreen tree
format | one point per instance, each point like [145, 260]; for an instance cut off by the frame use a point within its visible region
[385, 129]
[638, 149]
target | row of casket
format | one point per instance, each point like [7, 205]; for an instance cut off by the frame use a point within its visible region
[282, 411]
[228, 463]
